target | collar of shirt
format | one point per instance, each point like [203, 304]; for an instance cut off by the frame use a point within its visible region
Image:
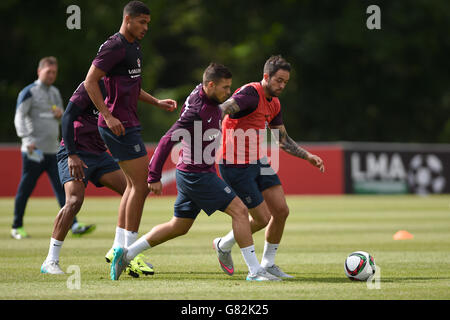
[208, 101]
[42, 85]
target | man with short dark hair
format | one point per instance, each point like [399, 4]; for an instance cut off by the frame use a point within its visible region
[253, 107]
[199, 187]
[119, 61]
[38, 111]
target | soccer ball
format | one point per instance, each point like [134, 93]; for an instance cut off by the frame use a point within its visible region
[359, 266]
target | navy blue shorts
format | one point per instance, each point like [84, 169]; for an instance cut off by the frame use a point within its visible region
[98, 165]
[201, 191]
[249, 182]
[127, 147]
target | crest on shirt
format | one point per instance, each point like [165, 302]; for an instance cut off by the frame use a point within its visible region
[138, 62]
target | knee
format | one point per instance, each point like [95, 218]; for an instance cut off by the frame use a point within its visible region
[182, 231]
[240, 213]
[73, 204]
[280, 213]
[141, 188]
[179, 229]
[261, 219]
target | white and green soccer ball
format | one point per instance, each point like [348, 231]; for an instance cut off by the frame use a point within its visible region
[359, 266]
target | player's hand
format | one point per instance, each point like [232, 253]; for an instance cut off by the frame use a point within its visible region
[31, 147]
[115, 126]
[76, 166]
[57, 112]
[316, 162]
[167, 104]
[155, 187]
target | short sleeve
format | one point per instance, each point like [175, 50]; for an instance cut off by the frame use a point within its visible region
[110, 54]
[247, 98]
[278, 120]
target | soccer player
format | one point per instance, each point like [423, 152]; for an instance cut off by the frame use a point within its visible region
[254, 107]
[119, 61]
[199, 187]
[82, 157]
[38, 112]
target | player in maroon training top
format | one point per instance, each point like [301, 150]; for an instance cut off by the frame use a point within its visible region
[120, 61]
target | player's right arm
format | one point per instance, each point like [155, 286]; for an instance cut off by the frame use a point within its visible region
[157, 161]
[93, 89]
[165, 145]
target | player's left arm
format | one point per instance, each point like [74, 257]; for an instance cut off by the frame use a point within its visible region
[290, 146]
[229, 107]
[165, 104]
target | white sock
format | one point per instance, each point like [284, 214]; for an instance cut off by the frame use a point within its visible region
[137, 247]
[119, 240]
[250, 259]
[54, 249]
[130, 238]
[270, 250]
[227, 242]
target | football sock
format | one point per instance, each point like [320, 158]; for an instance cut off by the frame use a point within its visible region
[130, 238]
[119, 240]
[270, 250]
[54, 249]
[227, 242]
[250, 259]
[137, 247]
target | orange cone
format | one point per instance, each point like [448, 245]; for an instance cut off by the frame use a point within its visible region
[402, 235]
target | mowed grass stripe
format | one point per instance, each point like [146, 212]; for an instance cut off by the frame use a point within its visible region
[320, 232]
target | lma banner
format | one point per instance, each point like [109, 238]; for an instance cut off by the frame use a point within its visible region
[391, 168]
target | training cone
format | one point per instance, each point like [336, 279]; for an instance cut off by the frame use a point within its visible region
[402, 235]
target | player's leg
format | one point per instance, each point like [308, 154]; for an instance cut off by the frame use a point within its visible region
[217, 195]
[243, 182]
[51, 166]
[117, 182]
[130, 153]
[114, 179]
[31, 172]
[159, 234]
[74, 199]
[185, 212]
[135, 171]
[279, 211]
[276, 202]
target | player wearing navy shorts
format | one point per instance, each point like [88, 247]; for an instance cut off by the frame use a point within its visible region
[119, 61]
[82, 157]
[256, 106]
[199, 187]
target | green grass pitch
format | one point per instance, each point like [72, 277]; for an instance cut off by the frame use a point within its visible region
[321, 231]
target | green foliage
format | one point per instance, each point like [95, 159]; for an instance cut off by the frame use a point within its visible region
[348, 82]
